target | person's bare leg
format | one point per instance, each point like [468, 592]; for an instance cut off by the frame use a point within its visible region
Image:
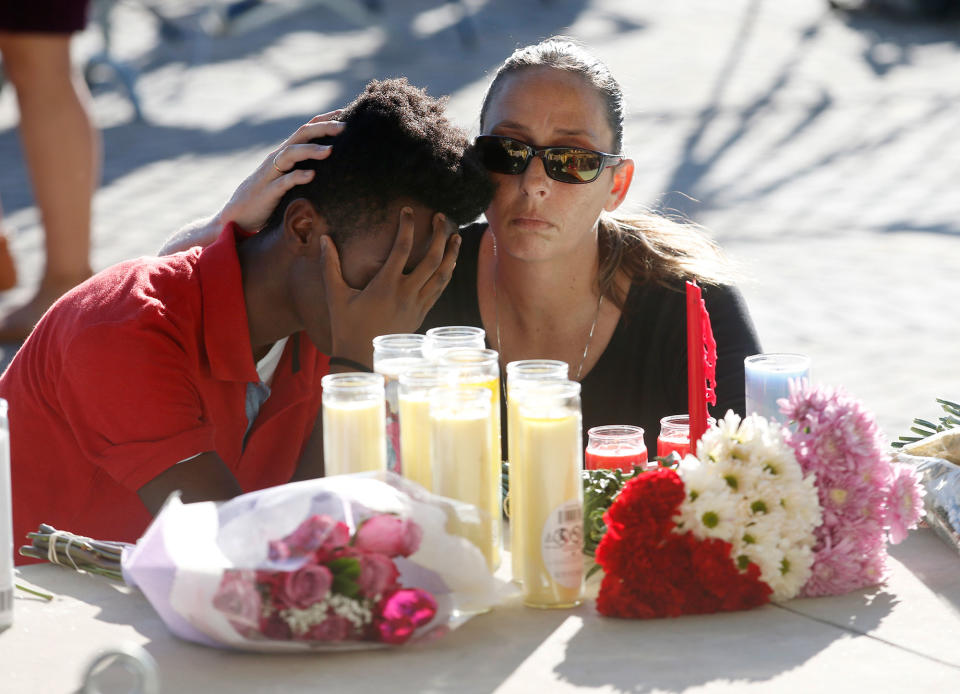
[62, 150]
[8, 270]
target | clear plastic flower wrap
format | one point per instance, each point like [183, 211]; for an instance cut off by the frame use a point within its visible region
[345, 562]
[941, 503]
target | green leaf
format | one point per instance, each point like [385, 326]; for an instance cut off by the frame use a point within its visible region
[951, 407]
[347, 567]
[600, 488]
[923, 433]
[345, 586]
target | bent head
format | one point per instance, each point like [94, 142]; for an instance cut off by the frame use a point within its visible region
[398, 149]
[558, 115]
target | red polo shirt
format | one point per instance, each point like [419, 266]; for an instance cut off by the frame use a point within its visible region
[142, 366]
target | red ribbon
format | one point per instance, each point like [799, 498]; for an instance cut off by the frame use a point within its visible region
[701, 363]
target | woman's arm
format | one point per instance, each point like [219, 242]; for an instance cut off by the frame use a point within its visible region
[256, 197]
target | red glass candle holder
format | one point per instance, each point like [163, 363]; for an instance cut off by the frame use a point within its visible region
[615, 447]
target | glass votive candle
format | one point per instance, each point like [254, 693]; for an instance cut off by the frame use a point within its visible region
[767, 378]
[615, 447]
[414, 397]
[392, 355]
[354, 437]
[460, 457]
[547, 506]
[439, 340]
[519, 374]
[674, 435]
[481, 368]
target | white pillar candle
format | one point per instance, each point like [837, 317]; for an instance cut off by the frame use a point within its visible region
[518, 374]
[353, 423]
[460, 455]
[392, 355]
[549, 506]
[6, 523]
[414, 397]
[481, 368]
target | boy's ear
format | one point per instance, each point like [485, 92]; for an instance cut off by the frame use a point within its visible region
[302, 227]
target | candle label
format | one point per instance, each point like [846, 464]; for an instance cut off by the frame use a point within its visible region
[561, 544]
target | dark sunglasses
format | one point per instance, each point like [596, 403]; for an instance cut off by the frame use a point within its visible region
[504, 155]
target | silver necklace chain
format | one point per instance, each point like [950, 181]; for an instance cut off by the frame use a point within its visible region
[496, 314]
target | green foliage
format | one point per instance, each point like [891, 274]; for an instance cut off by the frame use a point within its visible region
[923, 428]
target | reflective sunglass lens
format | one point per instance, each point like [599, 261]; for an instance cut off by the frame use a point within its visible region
[502, 155]
[572, 165]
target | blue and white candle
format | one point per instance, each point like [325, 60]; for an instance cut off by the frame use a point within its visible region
[768, 379]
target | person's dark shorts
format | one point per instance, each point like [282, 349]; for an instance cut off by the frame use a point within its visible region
[43, 16]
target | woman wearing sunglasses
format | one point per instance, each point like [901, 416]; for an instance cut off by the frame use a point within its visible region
[555, 274]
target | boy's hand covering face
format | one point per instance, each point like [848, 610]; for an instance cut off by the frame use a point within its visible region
[393, 301]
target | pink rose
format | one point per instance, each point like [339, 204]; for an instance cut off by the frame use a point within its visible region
[403, 613]
[389, 535]
[306, 586]
[333, 628]
[238, 598]
[316, 532]
[377, 575]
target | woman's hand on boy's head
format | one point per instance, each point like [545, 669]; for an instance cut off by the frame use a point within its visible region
[394, 301]
[258, 195]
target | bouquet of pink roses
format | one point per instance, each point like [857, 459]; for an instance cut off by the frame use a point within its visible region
[343, 587]
[346, 562]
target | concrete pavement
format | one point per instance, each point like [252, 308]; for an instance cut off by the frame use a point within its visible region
[820, 148]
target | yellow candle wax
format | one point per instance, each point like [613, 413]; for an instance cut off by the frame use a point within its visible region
[514, 456]
[495, 454]
[415, 439]
[528, 372]
[460, 457]
[549, 510]
[353, 436]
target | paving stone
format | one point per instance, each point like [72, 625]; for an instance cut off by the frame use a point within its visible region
[820, 148]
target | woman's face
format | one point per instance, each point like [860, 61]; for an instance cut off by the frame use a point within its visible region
[532, 216]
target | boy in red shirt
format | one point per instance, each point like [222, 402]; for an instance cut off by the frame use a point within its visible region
[200, 371]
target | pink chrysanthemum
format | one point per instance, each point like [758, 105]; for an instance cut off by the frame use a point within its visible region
[905, 504]
[861, 492]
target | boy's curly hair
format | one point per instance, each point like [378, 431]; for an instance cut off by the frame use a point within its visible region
[397, 143]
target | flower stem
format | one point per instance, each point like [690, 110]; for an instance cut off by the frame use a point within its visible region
[45, 596]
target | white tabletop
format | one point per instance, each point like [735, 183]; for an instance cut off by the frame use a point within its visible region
[903, 637]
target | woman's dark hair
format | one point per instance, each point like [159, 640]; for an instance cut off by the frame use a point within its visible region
[397, 143]
[647, 247]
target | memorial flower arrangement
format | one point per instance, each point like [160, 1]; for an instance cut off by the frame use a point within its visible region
[867, 499]
[761, 513]
[339, 563]
[343, 587]
[728, 530]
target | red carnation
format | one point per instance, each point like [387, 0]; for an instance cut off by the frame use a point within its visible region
[653, 571]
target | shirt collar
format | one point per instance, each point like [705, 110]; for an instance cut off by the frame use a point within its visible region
[226, 331]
